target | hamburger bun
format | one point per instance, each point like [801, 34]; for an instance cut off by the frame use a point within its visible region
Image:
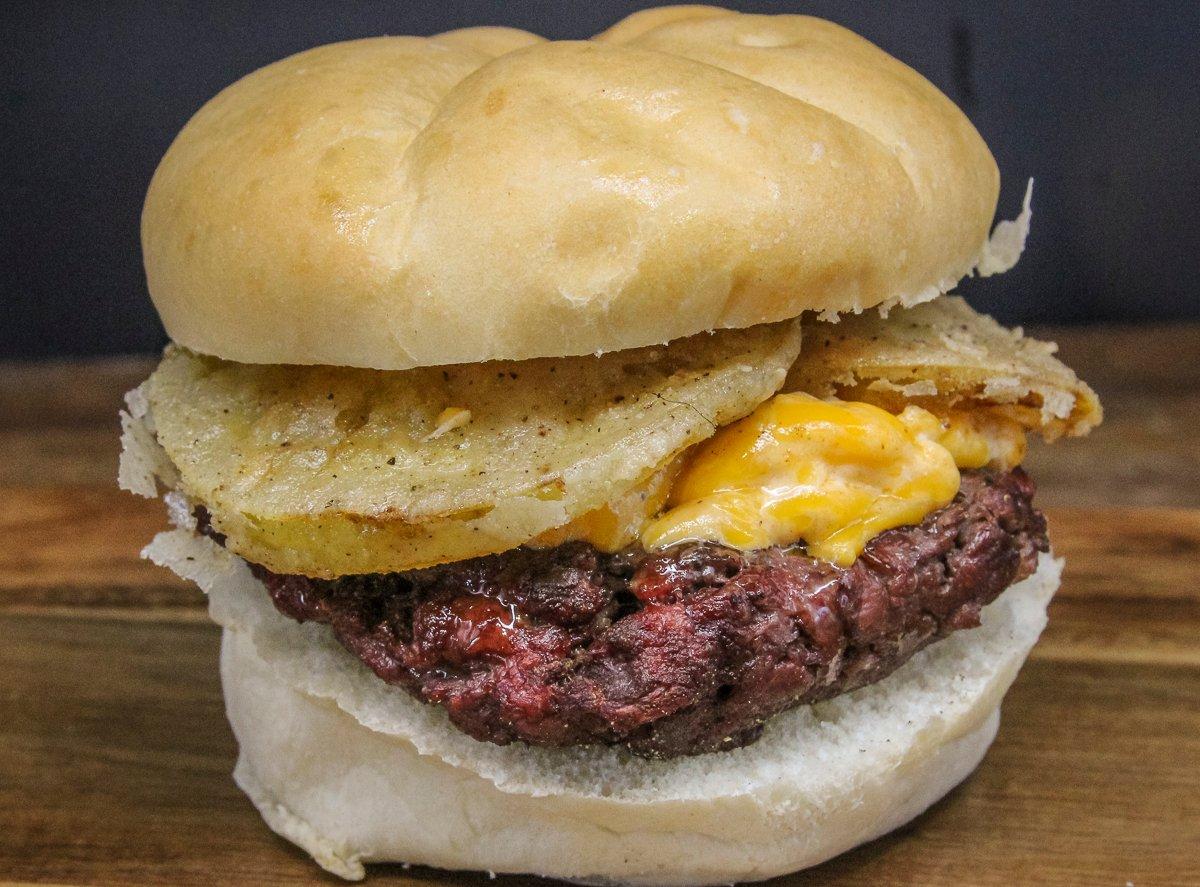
[485, 194]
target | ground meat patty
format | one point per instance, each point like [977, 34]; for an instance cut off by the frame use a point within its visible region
[676, 652]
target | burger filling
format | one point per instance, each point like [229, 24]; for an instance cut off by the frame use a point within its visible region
[826, 471]
[658, 549]
[679, 651]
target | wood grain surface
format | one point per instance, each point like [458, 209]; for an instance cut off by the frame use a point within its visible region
[115, 755]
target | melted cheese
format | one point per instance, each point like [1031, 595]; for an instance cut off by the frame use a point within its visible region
[830, 473]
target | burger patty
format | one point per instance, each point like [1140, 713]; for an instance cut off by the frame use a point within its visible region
[674, 652]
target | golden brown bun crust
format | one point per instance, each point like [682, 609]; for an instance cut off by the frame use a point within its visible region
[484, 194]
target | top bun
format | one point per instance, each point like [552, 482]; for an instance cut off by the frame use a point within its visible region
[485, 194]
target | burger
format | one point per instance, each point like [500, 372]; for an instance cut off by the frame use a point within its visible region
[579, 451]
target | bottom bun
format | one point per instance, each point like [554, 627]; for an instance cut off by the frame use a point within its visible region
[356, 771]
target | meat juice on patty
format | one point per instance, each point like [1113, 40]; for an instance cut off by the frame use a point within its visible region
[674, 652]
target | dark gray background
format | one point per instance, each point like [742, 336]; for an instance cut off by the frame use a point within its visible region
[1099, 101]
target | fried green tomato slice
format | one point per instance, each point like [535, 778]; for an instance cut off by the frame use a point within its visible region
[327, 471]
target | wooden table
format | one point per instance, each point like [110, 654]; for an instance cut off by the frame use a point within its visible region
[115, 755]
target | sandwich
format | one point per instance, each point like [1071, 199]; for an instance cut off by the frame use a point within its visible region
[580, 452]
